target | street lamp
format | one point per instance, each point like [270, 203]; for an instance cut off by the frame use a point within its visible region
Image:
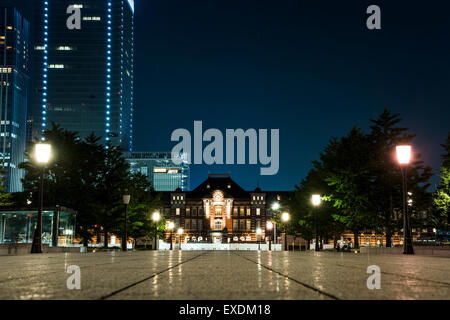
[316, 200]
[126, 200]
[258, 232]
[156, 217]
[180, 232]
[404, 158]
[42, 152]
[285, 218]
[269, 226]
[275, 206]
[171, 226]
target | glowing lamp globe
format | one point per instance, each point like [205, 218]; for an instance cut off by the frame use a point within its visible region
[316, 199]
[156, 216]
[42, 152]
[285, 217]
[403, 154]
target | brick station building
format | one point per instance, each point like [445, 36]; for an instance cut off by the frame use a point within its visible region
[220, 211]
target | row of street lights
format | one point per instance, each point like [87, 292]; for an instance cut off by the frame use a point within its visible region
[403, 152]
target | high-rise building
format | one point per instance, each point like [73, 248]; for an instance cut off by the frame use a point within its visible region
[83, 68]
[162, 173]
[14, 69]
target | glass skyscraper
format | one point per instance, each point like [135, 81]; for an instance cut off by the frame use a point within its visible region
[160, 170]
[83, 77]
[14, 78]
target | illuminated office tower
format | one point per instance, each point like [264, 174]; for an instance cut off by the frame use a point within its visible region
[162, 173]
[83, 77]
[14, 68]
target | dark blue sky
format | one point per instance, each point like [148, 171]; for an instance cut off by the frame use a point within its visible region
[311, 69]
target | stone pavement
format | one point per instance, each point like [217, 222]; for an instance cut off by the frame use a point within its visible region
[223, 275]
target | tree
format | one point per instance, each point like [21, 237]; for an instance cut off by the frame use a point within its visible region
[113, 178]
[346, 163]
[442, 195]
[303, 212]
[71, 177]
[142, 205]
[386, 197]
[83, 175]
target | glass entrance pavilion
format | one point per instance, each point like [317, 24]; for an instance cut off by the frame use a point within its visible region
[58, 226]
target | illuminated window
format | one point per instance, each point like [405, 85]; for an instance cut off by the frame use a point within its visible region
[63, 48]
[248, 211]
[248, 225]
[177, 211]
[92, 18]
[160, 170]
[258, 211]
[218, 224]
[78, 6]
[56, 66]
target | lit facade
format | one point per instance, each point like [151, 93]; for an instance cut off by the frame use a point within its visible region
[14, 78]
[161, 172]
[83, 78]
[219, 211]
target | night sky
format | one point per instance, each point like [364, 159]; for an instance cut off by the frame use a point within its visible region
[310, 68]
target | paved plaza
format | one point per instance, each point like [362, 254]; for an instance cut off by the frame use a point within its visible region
[223, 275]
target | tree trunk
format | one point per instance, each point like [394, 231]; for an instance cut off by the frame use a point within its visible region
[356, 236]
[308, 244]
[85, 242]
[335, 239]
[105, 240]
[321, 242]
[388, 239]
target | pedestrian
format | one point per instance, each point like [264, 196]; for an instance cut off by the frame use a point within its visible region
[350, 244]
[338, 247]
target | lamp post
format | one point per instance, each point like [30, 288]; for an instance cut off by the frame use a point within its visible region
[285, 218]
[171, 226]
[316, 199]
[126, 200]
[269, 226]
[258, 232]
[42, 155]
[275, 208]
[180, 232]
[155, 217]
[404, 158]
